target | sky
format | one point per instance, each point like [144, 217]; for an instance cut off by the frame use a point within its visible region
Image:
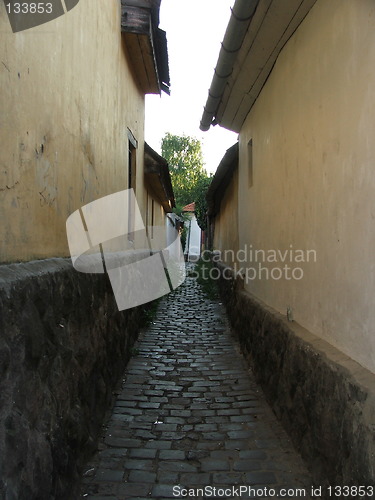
[195, 30]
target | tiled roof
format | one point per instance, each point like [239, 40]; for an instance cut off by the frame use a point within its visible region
[189, 208]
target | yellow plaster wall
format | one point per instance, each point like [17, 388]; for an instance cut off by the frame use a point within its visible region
[67, 98]
[226, 224]
[313, 132]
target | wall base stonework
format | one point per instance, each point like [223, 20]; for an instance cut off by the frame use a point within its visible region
[63, 347]
[324, 399]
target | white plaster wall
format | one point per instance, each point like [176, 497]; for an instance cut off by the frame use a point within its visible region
[193, 240]
[313, 131]
[171, 232]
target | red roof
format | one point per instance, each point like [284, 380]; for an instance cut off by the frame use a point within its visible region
[189, 208]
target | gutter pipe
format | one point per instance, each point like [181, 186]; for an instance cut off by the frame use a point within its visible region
[242, 13]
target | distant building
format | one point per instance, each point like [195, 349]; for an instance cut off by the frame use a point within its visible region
[192, 248]
[222, 206]
[160, 198]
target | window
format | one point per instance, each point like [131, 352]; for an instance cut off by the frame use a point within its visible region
[132, 157]
[152, 218]
[132, 177]
[250, 162]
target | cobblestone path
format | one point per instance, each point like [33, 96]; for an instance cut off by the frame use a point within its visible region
[189, 415]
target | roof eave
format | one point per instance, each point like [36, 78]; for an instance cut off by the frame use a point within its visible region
[147, 44]
[270, 27]
[241, 15]
[158, 178]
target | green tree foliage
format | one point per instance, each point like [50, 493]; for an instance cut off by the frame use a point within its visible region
[189, 178]
[200, 199]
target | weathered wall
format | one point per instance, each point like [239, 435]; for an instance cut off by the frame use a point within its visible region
[313, 131]
[155, 212]
[325, 400]
[63, 347]
[226, 223]
[68, 97]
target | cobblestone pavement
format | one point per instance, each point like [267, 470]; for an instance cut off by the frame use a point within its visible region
[190, 415]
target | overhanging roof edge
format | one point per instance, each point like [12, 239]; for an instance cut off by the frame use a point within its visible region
[242, 13]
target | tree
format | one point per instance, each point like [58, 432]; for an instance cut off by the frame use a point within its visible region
[189, 178]
[200, 200]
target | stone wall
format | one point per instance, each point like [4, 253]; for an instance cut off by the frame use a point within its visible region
[63, 347]
[325, 400]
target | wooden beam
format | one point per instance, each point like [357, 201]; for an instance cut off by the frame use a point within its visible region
[135, 20]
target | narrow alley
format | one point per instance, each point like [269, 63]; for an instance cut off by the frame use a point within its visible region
[137, 135]
[189, 420]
